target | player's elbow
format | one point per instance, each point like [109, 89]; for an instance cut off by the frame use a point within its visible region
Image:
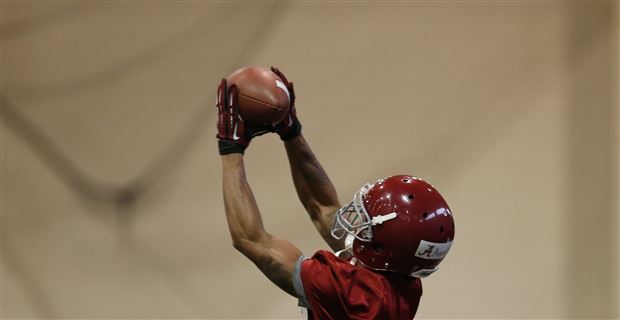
[323, 215]
[317, 211]
[242, 245]
[239, 244]
[247, 242]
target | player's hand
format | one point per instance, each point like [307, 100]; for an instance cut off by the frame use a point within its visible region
[233, 133]
[289, 127]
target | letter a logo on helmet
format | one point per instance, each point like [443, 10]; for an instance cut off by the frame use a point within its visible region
[400, 224]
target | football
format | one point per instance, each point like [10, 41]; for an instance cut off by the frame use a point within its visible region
[263, 96]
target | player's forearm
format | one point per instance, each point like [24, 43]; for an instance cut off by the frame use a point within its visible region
[314, 188]
[244, 220]
[316, 192]
[275, 257]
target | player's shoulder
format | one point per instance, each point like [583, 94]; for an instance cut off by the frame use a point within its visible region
[327, 256]
[327, 265]
[330, 267]
[355, 274]
[329, 262]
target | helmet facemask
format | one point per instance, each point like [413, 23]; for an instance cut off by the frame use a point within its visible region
[352, 220]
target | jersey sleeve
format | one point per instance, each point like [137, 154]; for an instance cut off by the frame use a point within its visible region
[297, 283]
[334, 289]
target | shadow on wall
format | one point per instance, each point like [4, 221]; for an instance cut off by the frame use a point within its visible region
[592, 260]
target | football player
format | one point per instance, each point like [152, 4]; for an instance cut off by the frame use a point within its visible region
[394, 232]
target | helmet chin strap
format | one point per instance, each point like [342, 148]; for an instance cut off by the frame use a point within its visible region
[348, 240]
[348, 244]
[346, 252]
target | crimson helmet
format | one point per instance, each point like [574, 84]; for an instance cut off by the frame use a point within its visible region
[400, 224]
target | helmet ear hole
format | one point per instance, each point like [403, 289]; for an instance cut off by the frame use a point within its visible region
[410, 197]
[441, 229]
[424, 215]
[377, 247]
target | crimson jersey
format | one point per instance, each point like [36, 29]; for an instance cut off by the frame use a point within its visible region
[337, 289]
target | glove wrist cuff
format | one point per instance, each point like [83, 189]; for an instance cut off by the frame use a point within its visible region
[291, 132]
[228, 147]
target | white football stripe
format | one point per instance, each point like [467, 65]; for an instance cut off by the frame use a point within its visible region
[282, 86]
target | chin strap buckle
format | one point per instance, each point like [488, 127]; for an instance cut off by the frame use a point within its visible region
[381, 219]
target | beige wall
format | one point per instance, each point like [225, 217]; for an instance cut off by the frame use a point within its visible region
[111, 200]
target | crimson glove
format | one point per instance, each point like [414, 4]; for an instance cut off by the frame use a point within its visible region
[233, 133]
[289, 127]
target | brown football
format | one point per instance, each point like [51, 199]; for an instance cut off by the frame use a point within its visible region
[263, 97]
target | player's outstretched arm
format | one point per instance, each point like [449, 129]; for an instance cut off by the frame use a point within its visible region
[274, 256]
[316, 192]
